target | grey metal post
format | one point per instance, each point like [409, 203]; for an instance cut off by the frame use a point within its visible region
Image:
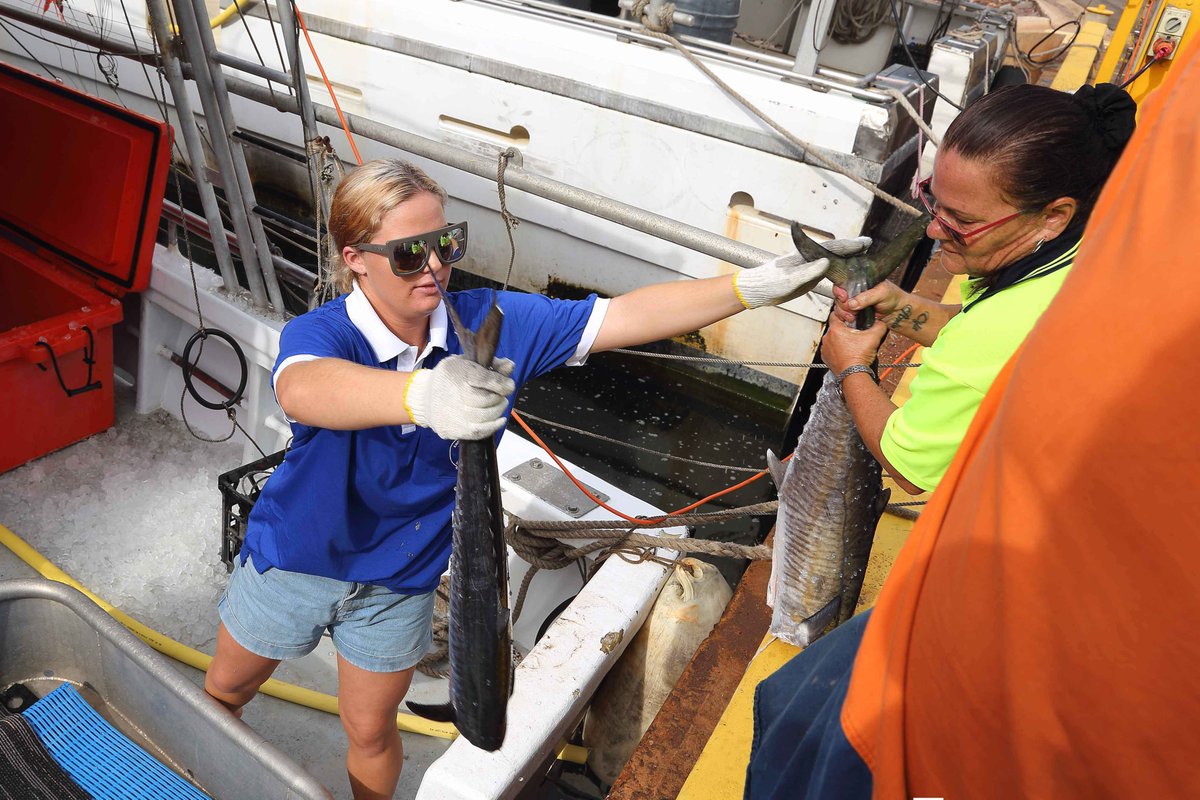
[188, 23]
[242, 196]
[308, 120]
[816, 29]
[191, 140]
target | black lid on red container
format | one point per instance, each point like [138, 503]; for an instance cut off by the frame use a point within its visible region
[83, 178]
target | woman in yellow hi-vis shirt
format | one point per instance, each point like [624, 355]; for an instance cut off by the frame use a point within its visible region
[1013, 185]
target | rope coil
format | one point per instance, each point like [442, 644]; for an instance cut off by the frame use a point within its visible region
[660, 23]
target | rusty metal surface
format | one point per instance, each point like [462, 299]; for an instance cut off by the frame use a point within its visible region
[666, 754]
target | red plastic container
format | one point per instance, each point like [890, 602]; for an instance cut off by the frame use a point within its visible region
[83, 189]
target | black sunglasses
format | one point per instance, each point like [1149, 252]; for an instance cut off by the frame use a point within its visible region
[409, 256]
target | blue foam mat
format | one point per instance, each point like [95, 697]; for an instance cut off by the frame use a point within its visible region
[99, 757]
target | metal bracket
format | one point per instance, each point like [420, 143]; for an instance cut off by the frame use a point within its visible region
[547, 482]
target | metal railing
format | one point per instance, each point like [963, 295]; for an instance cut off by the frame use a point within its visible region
[214, 86]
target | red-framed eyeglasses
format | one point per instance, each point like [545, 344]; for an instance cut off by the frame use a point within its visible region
[956, 236]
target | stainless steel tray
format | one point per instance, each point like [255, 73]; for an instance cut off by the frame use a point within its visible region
[52, 634]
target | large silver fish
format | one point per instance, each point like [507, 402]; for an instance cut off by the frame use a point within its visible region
[830, 495]
[830, 500]
[481, 664]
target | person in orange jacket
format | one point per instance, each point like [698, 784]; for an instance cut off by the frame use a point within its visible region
[1037, 636]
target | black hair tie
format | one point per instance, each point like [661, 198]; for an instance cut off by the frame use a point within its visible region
[1111, 112]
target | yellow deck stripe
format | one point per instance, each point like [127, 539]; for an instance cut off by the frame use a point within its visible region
[1077, 66]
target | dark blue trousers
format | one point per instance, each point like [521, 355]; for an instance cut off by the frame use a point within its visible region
[799, 750]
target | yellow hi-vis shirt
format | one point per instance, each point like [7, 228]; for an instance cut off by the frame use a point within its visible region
[921, 437]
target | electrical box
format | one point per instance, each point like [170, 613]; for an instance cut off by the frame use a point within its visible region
[1171, 25]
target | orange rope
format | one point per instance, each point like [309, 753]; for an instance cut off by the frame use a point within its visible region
[652, 522]
[632, 520]
[328, 85]
[900, 360]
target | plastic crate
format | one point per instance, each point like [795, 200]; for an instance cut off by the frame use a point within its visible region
[240, 489]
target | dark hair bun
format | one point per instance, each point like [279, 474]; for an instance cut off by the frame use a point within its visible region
[1112, 113]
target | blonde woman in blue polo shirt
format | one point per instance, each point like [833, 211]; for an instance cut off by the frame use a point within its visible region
[1013, 184]
[352, 532]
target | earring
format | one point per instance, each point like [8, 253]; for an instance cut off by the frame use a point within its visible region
[1038, 246]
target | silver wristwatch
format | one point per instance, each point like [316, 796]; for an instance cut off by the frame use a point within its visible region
[848, 371]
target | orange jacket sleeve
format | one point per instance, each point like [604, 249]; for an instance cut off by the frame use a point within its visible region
[1037, 637]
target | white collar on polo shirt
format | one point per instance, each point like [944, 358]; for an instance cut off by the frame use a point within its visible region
[386, 344]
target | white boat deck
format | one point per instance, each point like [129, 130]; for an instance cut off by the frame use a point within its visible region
[133, 514]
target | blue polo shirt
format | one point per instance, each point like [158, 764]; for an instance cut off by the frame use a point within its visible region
[373, 506]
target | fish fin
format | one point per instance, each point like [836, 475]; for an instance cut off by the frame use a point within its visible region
[881, 503]
[437, 713]
[813, 627]
[776, 468]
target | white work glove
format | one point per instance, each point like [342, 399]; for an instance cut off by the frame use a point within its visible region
[459, 399]
[785, 277]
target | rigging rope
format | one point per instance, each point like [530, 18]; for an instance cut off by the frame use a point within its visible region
[804, 147]
[539, 542]
[719, 360]
[323, 164]
[855, 21]
[510, 221]
[905, 104]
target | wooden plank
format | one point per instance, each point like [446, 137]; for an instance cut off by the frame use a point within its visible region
[1076, 68]
[1060, 12]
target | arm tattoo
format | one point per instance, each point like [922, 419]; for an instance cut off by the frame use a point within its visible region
[906, 313]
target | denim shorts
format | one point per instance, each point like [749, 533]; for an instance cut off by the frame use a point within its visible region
[279, 614]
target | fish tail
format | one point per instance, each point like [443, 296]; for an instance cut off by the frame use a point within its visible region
[881, 504]
[809, 248]
[487, 337]
[443, 712]
[884, 260]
